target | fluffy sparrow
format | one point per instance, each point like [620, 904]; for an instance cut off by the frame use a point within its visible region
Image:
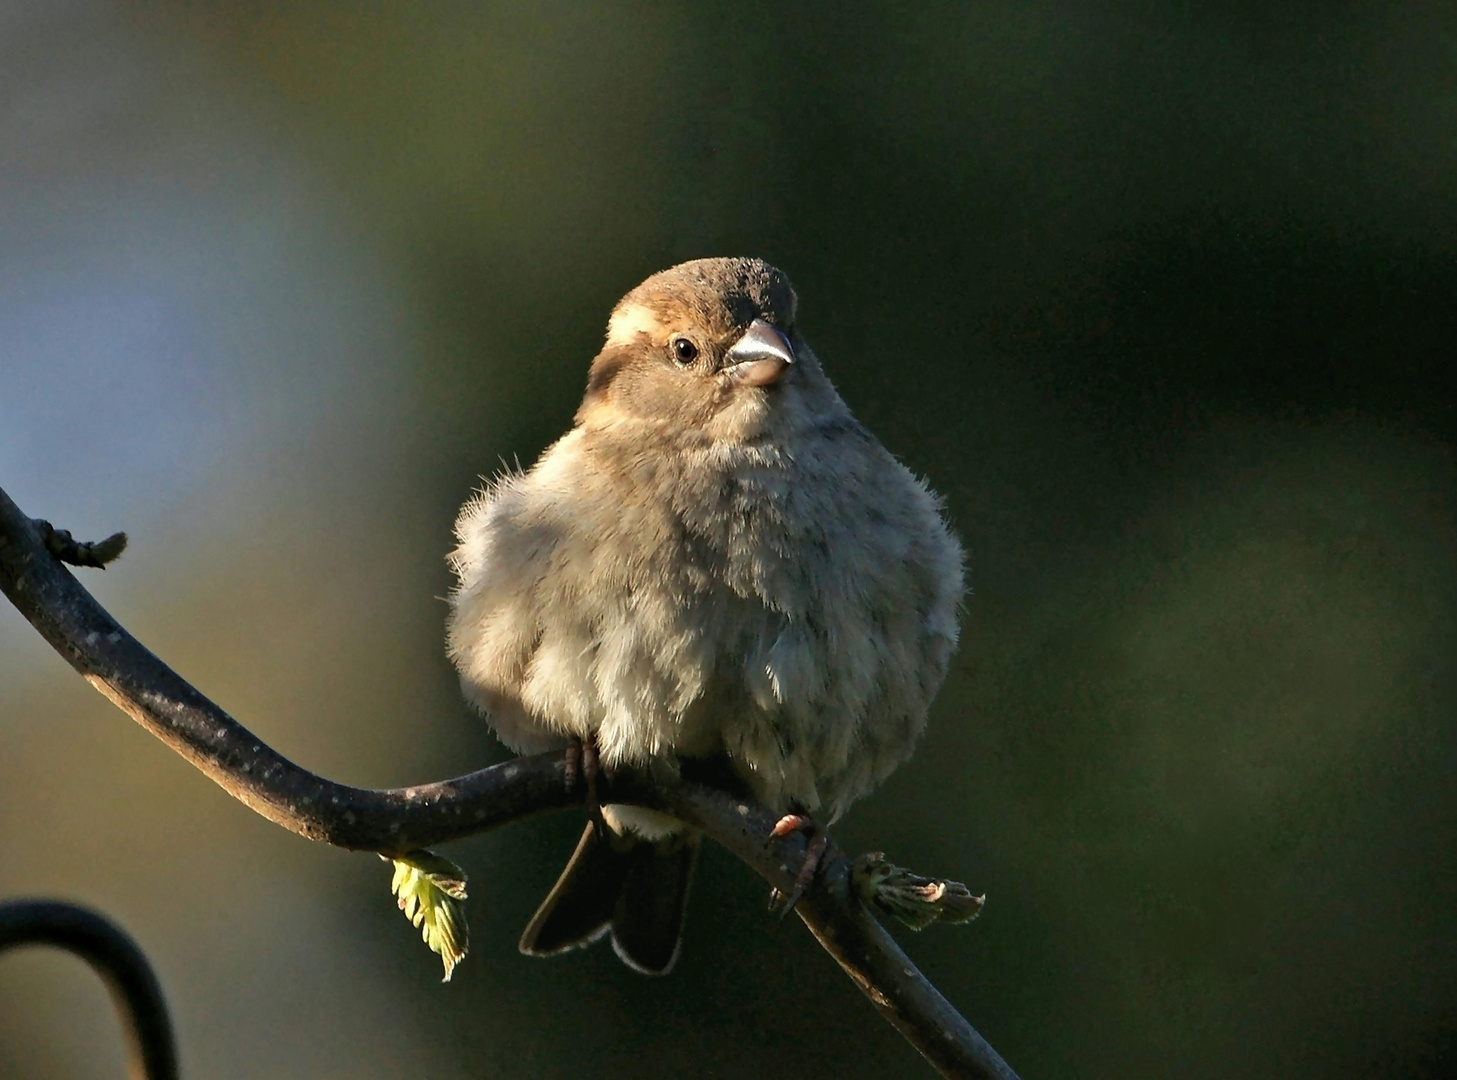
[717, 562]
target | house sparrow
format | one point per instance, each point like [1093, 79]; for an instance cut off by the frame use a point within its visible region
[717, 562]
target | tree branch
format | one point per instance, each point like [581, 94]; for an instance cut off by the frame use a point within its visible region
[396, 820]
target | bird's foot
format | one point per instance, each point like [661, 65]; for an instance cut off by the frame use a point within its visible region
[818, 840]
[792, 823]
[591, 767]
[584, 763]
[572, 764]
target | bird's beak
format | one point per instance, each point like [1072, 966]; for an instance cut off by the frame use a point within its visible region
[760, 357]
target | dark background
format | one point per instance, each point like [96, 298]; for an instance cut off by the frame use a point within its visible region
[1161, 299]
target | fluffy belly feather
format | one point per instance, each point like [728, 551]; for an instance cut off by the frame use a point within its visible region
[692, 630]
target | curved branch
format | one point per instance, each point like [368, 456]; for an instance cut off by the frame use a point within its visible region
[395, 820]
[112, 954]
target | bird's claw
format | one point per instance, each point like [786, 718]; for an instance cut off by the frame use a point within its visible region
[814, 852]
[790, 823]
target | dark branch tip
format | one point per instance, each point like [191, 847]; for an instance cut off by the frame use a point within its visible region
[915, 900]
[65, 548]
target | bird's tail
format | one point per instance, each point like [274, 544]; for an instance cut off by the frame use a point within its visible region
[635, 888]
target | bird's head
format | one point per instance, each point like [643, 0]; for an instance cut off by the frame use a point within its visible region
[707, 347]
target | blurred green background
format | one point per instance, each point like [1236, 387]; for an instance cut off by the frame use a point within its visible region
[1163, 300]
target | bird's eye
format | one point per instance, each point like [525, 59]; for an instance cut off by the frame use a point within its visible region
[684, 351]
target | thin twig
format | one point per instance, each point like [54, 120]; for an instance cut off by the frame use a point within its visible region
[111, 952]
[395, 820]
[97, 554]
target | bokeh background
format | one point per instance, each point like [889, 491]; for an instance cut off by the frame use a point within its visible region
[1163, 300]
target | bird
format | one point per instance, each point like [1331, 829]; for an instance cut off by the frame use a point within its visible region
[717, 563]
